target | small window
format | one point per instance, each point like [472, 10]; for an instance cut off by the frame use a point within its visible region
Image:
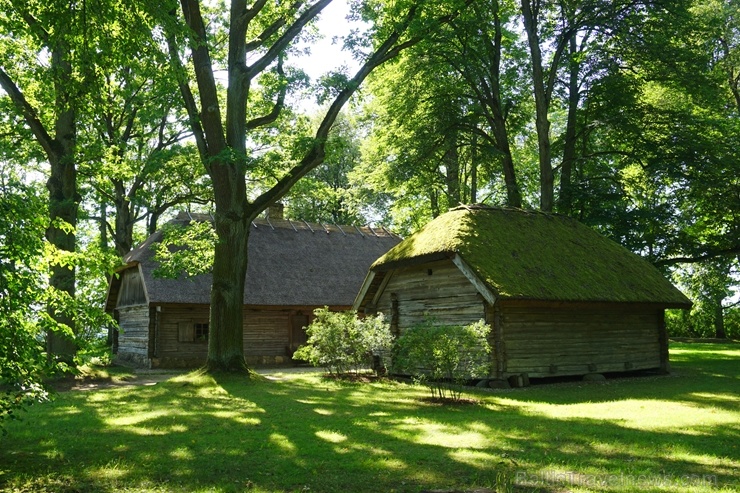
[193, 332]
[200, 332]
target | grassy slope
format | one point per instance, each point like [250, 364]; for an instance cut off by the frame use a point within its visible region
[302, 433]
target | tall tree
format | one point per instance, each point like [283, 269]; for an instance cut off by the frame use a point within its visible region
[446, 116]
[258, 36]
[45, 43]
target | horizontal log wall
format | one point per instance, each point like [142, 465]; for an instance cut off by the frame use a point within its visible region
[266, 332]
[445, 295]
[555, 341]
[169, 350]
[133, 337]
[267, 335]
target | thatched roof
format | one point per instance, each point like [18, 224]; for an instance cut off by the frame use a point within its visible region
[527, 255]
[289, 264]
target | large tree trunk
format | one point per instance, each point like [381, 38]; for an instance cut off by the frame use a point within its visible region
[226, 340]
[719, 321]
[62, 186]
[569, 152]
[222, 146]
[542, 104]
[63, 201]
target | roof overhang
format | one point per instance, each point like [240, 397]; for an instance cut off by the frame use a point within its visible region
[488, 294]
[114, 285]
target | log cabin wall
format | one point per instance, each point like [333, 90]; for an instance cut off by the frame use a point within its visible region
[271, 334]
[133, 336]
[437, 291]
[267, 335]
[178, 344]
[547, 341]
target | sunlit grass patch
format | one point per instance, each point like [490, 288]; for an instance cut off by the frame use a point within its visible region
[301, 432]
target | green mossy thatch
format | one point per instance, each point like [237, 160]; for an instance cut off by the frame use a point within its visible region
[536, 256]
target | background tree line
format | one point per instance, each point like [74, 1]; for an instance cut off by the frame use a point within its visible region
[622, 114]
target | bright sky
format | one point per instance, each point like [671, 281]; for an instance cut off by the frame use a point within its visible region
[326, 54]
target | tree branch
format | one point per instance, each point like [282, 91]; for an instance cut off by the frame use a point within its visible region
[187, 95]
[271, 29]
[279, 103]
[210, 114]
[285, 39]
[29, 114]
[725, 252]
[316, 155]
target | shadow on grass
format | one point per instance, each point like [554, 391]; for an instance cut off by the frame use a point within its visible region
[198, 433]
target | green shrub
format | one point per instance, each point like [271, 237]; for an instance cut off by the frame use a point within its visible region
[340, 342]
[443, 357]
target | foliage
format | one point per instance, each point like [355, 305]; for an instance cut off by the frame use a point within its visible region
[22, 353]
[443, 357]
[328, 194]
[26, 297]
[185, 248]
[715, 313]
[340, 341]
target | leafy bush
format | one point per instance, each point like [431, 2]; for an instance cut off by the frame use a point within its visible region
[443, 357]
[340, 342]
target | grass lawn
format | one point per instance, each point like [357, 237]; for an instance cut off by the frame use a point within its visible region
[302, 433]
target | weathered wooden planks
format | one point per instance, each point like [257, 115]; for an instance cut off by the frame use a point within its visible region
[437, 291]
[573, 340]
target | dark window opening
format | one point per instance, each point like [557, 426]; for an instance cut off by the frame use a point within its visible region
[200, 332]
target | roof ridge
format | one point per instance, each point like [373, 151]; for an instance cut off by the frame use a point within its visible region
[296, 225]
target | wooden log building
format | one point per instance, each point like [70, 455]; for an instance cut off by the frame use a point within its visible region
[293, 268]
[561, 299]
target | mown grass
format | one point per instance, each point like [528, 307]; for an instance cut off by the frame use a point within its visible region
[302, 433]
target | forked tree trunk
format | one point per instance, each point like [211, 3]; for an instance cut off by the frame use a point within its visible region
[542, 105]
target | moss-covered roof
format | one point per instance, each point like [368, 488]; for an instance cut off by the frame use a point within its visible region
[536, 256]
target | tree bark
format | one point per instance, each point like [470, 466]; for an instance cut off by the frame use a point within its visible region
[63, 199]
[474, 170]
[569, 152]
[124, 229]
[452, 169]
[225, 340]
[498, 119]
[719, 321]
[542, 104]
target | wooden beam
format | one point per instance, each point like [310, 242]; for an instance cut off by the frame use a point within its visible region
[363, 290]
[387, 277]
[482, 288]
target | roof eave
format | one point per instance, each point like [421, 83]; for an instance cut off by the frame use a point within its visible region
[412, 261]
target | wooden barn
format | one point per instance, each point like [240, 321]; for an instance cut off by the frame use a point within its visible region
[561, 299]
[294, 267]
